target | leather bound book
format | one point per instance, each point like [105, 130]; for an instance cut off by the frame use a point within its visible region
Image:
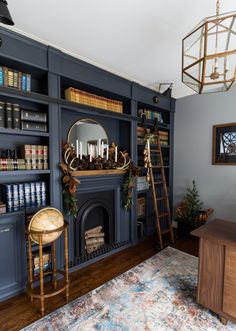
[16, 116]
[34, 116]
[2, 115]
[8, 110]
[33, 126]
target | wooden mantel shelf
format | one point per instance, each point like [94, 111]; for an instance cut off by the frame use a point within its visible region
[81, 173]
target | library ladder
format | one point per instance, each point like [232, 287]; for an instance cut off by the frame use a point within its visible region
[154, 160]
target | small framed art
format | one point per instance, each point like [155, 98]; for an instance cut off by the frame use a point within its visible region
[224, 144]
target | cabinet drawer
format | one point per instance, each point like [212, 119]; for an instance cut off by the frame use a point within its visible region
[229, 297]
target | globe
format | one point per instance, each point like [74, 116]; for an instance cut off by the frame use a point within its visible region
[44, 220]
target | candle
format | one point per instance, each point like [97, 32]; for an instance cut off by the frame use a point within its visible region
[77, 148]
[90, 153]
[116, 154]
[99, 147]
[107, 153]
[102, 151]
[148, 148]
[81, 149]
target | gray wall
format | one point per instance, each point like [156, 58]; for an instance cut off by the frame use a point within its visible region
[195, 116]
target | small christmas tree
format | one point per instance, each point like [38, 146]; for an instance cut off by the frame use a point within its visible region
[191, 205]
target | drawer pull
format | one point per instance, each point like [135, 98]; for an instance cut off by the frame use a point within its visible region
[5, 230]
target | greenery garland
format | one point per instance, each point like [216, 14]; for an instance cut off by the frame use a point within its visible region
[128, 185]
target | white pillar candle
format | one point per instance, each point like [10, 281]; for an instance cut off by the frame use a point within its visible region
[107, 153]
[81, 149]
[148, 148]
[90, 153]
[116, 154]
[99, 147]
[102, 149]
[77, 148]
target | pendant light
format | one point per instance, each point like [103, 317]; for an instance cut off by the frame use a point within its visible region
[5, 16]
[209, 54]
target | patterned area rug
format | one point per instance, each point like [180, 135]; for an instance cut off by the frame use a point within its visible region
[158, 294]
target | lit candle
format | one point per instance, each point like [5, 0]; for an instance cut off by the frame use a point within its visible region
[90, 153]
[116, 154]
[81, 149]
[99, 147]
[102, 151]
[148, 148]
[77, 148]
[107, 153]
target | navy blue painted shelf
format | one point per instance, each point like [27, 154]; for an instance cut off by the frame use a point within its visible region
[24, 172]
[23, 133]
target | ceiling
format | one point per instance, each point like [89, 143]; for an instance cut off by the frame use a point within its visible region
[136, 39]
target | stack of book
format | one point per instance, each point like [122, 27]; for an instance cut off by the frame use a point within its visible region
[46, 262]
[15, 78]
[141, 134]
[94, 239]
[150, 114]
[22, 195]
[164, 138]
[34, 121]
[142, 183]
[141, 207]
[36, 157]
[93, 100]
[13, 117]
[12, 164]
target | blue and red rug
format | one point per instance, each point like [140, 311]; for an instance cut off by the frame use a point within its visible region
[157, 295]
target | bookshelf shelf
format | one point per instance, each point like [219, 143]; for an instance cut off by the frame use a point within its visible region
[22, 95]
[19, 132]
[13, 213]
[24, 172]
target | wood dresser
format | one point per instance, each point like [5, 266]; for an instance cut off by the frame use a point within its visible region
[217, 268]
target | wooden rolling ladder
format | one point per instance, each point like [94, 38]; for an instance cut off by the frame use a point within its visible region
[159, 188]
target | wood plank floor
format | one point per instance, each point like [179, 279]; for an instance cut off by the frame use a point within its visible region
[18, 312]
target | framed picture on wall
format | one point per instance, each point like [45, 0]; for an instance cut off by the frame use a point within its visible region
[224, 144]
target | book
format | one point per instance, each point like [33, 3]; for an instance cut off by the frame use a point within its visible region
[45, 157]
[2, 114]
[23, 82]
[8, 111]
[1, 76]
[33, 116]
[33, 126]
[28, 82]
[16, 116]
[34, 157]
[5, 76]
[15, 197]
[15, 79]
[10, 77]
[7, 196]
[27, 194]
[26, 152]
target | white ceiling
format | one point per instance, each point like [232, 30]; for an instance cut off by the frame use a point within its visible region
[137, 39]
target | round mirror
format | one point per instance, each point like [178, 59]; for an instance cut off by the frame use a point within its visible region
[88, 137]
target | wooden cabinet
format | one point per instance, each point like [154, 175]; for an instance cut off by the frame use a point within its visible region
[12, 255]
[217, 268]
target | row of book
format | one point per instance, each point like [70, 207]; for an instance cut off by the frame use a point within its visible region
[93, 100]
[12, 164]
[14, 78]
[150, 115]
[23, 195]
[164, 138]
[141, 206]
[13, 117]
[36, 157]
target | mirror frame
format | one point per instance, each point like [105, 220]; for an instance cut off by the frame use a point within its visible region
[91, 121]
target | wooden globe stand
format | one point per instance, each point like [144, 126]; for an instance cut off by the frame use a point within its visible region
[42, 295]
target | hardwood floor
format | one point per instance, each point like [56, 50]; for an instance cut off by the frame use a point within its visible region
[18, 312]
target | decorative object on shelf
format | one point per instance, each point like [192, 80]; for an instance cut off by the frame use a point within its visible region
[5, 16]
[189, 212]
[224, 144]
[209, 54]
[46, 222]
[46, 226]
[93, 100]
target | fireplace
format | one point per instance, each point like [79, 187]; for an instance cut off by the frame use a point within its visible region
[96, 210]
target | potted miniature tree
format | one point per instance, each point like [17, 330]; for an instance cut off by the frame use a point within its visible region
[189, 213]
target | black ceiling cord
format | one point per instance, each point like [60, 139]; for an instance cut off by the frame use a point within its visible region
[5, 16]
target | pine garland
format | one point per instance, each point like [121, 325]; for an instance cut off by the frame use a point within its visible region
[128, 185]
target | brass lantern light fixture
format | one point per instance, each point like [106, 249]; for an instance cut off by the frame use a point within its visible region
[209, 54]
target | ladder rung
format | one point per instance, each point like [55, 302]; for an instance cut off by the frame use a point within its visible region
[158, 182]
[163, 214]
[162, 198]
[165, 231]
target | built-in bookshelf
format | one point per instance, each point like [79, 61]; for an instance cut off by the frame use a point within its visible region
[42, 117]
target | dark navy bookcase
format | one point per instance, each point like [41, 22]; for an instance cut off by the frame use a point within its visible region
[52, 72]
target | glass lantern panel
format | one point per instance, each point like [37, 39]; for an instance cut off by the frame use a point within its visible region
[220, 69]
[193, 47]
[196, 71]
[190, 82]
[215, 88]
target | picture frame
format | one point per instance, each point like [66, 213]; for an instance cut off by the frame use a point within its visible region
[224, 144]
